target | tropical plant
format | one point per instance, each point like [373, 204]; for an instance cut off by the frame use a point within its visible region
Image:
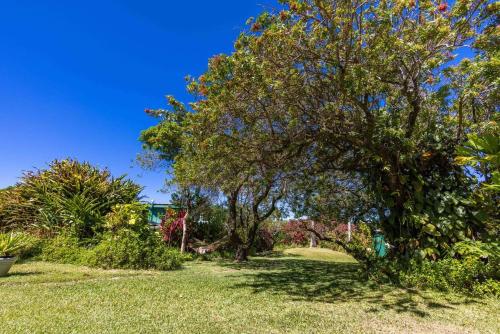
[11, 244]
[68, 195]
[480, 155]
[172, 225]
[132, 216]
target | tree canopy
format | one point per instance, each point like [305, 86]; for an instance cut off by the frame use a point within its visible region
[366, 97]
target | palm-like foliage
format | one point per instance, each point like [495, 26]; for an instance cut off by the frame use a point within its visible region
[11, 243]
[67, 194]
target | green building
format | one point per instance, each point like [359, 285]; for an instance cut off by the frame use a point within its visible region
[157, 212]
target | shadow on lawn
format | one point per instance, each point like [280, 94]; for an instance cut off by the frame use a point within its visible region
[22, 273]
[332, 282]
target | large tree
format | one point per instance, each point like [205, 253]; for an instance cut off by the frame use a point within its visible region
[370, 90]
[377, 91]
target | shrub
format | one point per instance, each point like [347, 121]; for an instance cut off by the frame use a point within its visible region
[477, 249]
[133, 216]
[64, 249]
[69, 196]
[127, 243]
[130, 250]
[123, 250]
[490, 287]
[171, 226]
[468, 275]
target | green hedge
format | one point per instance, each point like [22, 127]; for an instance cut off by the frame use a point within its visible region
[468, 275]
[124, 250]
[129, 251]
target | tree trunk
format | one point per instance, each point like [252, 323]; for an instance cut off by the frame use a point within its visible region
[314, 240]
[184, 232]
[241, 253]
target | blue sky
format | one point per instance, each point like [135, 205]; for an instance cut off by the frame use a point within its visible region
[76, 76]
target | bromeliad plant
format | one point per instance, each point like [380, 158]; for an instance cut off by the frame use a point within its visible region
[68, 195]
[11, 244]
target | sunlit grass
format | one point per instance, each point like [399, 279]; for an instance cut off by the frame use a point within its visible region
[298, 291]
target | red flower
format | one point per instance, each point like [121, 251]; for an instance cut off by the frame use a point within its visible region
[283, 15]
[256, 27]
[443, 7]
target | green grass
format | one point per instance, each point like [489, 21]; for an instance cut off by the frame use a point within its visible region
[297, 291]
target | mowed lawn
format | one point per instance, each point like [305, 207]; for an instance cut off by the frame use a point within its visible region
[298, 291]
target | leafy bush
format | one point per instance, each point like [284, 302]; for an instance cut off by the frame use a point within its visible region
[131, 216]
[477, 249]
[475, 269]
[490, 287]
[69, 195]
[469, 275]
[64, 249]
[123, 250]
[129, 250]
[171, 226]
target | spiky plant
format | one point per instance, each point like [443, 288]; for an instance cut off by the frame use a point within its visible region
[11, 243]
[68, 195]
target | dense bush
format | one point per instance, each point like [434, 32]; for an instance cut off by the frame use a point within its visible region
[471, 267]
[128, 250]
[126, 243]
[69, 196]
[124, 250]
[468, 275]
[64, 249]
[132, 216]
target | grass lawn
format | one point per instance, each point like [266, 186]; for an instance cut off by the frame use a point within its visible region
[298, 291]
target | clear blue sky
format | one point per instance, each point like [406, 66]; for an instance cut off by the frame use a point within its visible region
[76, 76]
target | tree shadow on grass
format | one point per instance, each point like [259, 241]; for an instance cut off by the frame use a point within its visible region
[332, 282]
[22, 273]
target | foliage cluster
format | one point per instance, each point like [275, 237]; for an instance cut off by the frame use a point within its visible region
[294, 233]
[69, 195]
[12, 244]
[123, 249]
[171, 226]
[476, 270]
[75, 213]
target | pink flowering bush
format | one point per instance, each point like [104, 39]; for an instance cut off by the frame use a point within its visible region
[171, 226]
[294, 233]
